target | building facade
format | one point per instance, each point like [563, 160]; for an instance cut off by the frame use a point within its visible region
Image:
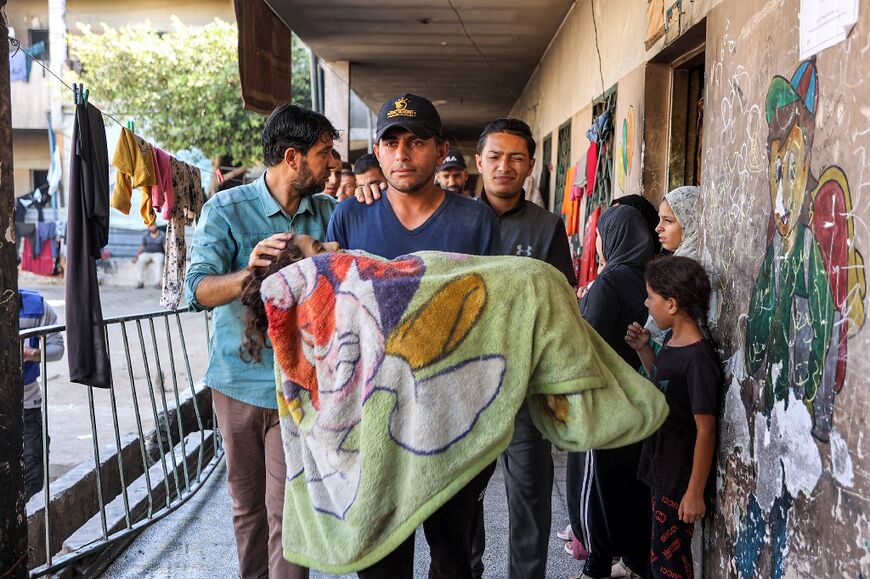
[778, 145]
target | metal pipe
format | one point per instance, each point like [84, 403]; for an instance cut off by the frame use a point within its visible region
[145, 464]
[97, 463]
[154, 412]
[165, 407]
[46, 509]
[193, 395]
[177, 404]
[118, 454]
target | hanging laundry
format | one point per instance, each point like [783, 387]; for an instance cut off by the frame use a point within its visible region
[36, 50]
[568, 203]
[87, 234]
[162, 193]
[45, 233]
[18, 66]
[591, 166]
[588, 266]
[189, 199]
[135, 163]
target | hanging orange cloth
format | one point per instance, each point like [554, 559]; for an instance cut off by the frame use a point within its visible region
[569, 205]
[135, 163]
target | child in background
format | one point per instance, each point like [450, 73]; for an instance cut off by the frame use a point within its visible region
[676, 461]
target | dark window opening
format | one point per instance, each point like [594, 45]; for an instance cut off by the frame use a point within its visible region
[563, 162]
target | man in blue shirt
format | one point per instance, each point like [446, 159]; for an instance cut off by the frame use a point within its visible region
[505, 159]
[239, 229]
[414, 214]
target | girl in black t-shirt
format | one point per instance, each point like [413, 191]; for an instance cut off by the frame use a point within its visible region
[676, 461]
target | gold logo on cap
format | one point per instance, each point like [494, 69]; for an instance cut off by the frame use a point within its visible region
[401, 109]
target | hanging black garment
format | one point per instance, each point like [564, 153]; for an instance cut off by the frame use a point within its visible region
[87, 234]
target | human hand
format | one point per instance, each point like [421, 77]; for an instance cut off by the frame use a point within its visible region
[135, 258]
[637, 337]
[269, 247]
[583, 290]
[31, 354]
[368, 194]
[692, 507]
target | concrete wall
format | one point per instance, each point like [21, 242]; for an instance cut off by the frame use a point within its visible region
[29, 152]
[791, 475]
[157, 12]
[793, 481]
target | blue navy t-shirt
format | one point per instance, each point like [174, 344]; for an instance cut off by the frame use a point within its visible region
[459, 225]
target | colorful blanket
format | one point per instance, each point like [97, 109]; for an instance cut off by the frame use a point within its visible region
[399, 382]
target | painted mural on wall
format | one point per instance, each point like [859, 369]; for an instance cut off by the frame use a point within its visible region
[808, 297]
[625, 153]
[786, 230]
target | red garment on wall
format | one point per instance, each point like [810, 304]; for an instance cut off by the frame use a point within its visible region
[42, 265]
[591, 166]
[588, 267]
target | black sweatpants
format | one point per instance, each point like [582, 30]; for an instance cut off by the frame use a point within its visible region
[450, 534]
[671, 542]
[609, 508]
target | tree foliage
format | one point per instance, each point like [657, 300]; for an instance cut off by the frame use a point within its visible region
[301, 74]
[181, 87]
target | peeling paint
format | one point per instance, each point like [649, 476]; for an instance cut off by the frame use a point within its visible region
[842, 462]
[734, 433]
[785, 460]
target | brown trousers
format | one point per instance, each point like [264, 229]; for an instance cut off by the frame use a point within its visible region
[255, 474]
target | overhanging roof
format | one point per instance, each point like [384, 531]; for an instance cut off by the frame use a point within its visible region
[472, 58]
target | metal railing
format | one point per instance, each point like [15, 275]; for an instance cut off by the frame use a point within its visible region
[144, 485]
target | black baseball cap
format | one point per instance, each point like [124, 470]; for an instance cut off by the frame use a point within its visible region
[411, 112]
[454, 159]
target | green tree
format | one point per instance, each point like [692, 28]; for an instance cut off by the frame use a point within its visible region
[181, 87]
[301, 74]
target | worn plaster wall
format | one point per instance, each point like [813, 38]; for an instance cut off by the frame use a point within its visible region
[628, 134]
[568, 77]
[786, 196]
[28, 152]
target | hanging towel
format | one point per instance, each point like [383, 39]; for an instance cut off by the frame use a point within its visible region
[399, 382]
[135, 163]
[162, 195]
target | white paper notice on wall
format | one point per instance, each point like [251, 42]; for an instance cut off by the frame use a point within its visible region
[824, 23]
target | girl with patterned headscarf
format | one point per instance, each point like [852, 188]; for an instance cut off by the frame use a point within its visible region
[678, 233]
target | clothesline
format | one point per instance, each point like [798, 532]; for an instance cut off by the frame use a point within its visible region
[17, 44]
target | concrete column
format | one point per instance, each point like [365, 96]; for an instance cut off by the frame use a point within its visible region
[57, 57]
[336, 95]
[13, 523]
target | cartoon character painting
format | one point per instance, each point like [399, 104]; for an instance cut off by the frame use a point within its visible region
[809, 294]
[329, 375]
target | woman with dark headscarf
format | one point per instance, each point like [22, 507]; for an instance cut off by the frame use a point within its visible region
[607, 505]
[649, 213]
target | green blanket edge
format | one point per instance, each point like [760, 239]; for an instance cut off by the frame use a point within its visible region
[406, 529]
